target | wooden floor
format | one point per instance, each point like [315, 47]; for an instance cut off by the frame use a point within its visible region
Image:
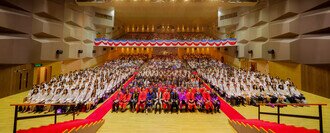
[165, 123]
[182, 122]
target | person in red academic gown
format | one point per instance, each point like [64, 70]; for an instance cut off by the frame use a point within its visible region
[191, 100]
[166, 100]
[124, 98]
[207, 101]
[142, 100]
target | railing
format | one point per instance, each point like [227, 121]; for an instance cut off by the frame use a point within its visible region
[56, 106]
[278, 114]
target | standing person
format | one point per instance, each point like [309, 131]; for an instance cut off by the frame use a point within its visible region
[174, 101]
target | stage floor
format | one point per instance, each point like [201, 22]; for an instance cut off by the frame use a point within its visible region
[196, 122]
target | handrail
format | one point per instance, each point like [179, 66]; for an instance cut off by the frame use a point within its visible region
[16, 118]
[293, 104]
[278, 114]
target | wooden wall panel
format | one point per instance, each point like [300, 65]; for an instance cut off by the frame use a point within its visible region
[286, 70]
[9, 79]
[316, 79]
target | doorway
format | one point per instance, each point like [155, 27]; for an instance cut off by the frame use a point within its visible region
[253, 66]
[44, 74]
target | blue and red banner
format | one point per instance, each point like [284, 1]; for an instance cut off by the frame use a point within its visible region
[165, 43]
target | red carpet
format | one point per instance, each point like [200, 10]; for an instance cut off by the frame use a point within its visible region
[98, 114]
[278, 128]
[226, 108]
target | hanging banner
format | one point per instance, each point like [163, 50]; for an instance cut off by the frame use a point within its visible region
[165, 43]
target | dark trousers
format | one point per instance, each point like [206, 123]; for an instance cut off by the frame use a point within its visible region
[175, 105]
[132, 104]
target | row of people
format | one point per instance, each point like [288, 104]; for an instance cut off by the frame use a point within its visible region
[239, 86]
[85, 88]
[168, 99]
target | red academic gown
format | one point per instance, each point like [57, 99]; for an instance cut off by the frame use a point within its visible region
[207, 99]
[191, 100]
[166, 99]
[141, 100]
[123, 99]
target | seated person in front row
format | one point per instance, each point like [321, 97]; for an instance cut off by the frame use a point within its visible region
[115, 104]
[124, 97]
[174, 101]
[150, 100]
[158, 101]
[141, 104]
[215, 101]
[207, 100]
[134, 100]
[191, 101]
[183, 100]
[199, 100]
[166, 101]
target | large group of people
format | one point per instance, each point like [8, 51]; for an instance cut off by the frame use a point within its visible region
[166, 83]
[83, 88]
[240, 87]
[163, 83]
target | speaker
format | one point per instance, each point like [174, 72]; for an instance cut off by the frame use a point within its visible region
[59, 52]
[226, 49]
[94, 51]
[250, 52]
[80, 51]
[104, 49]
[272, 51]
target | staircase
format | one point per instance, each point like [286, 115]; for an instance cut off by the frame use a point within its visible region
[260, 126]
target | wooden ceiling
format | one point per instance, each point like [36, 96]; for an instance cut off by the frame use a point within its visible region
[168, 12]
